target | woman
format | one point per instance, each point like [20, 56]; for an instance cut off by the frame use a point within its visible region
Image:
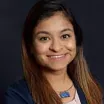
[55, 70]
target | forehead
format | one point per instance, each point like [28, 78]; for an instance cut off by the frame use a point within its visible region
[57, 22]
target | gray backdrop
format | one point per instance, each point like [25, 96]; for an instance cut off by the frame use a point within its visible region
[90, 16]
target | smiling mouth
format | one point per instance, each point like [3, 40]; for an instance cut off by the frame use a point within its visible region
[57, 57]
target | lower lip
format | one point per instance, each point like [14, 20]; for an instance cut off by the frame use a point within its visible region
[57, 58]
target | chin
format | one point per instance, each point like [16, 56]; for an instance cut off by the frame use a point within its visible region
[57, 68]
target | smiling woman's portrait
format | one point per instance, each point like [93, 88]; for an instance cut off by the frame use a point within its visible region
[54, 43]
[55, 69]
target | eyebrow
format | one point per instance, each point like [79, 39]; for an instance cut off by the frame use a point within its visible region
[45, 32]
[67, 29]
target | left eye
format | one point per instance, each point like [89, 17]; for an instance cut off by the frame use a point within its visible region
[65, 36]
[44, 39]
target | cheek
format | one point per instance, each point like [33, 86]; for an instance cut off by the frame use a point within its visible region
[41, 48]
[71, 45]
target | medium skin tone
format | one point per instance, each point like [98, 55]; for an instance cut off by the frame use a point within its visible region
[54, 47]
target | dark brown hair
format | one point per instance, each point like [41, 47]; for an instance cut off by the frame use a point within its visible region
[40, 88]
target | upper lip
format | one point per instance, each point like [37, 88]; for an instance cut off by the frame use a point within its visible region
[57, 54]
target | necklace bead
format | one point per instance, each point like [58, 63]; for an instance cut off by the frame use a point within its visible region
[64, 94]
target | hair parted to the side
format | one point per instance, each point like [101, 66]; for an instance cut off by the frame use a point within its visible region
[40, 88]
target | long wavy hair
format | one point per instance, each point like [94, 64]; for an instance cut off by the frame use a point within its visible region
[40, 89]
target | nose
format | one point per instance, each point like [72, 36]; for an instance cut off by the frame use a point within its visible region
[56, 46]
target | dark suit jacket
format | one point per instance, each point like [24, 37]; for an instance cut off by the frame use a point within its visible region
[19, 93]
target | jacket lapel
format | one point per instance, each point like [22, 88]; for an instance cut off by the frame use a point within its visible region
[80, 94]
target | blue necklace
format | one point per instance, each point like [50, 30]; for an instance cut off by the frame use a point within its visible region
[65, 94]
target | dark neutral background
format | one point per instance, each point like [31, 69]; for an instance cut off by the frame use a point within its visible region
[89, 15]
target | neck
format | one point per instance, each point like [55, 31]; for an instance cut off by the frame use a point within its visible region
[59, 80]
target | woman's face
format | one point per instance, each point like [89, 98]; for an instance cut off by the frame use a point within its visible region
[54, 44]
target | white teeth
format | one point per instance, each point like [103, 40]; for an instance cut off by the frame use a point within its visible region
[59, 56]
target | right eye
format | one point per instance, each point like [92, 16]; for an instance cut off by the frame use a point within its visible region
[44, 39]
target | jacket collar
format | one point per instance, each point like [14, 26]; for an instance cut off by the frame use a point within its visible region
[80, 94]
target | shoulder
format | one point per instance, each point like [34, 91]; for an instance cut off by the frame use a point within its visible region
[18, 93]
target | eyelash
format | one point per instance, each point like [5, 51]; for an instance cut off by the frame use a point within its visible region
[44, 39]
[65, 36]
